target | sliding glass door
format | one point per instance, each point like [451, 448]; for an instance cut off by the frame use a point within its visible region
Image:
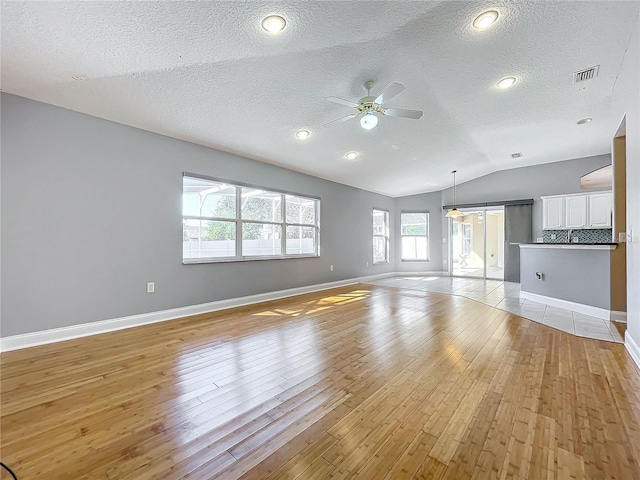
[467, 243]
[476, 243]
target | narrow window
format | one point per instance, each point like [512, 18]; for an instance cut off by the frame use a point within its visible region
[414, 231]
[380, 236]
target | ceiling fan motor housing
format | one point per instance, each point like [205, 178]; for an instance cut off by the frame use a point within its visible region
[368, 104]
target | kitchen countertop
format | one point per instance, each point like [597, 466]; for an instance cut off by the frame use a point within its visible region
[574, 246]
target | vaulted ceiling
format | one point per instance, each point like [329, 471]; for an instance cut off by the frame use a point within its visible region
[207, 72]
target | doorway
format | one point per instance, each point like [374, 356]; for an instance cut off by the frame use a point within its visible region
[476, 243]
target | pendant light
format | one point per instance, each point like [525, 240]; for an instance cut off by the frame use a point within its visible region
[454, 212]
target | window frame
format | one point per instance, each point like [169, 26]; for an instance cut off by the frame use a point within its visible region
[239, 222]
[427, 236]
[466, 229]
[387, 219]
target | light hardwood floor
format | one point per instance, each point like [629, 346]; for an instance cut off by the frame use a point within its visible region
[361, 382]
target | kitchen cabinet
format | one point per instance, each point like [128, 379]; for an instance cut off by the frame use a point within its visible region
[576, 211]
[552, 213]
[600, 210]
[561, 212]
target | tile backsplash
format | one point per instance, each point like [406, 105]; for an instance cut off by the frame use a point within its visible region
[592, 235]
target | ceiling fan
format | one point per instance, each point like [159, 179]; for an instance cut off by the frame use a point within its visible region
[370, 107]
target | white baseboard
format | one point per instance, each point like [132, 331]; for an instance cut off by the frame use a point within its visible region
[598, 312]
[632, 347]
[26, 340]
[421, 274]
[620, 317]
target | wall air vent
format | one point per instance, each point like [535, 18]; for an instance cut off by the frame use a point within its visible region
[584, 75]
[516, 155]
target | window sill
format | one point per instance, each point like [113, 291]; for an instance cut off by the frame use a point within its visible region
[416, 261]
[197, 261]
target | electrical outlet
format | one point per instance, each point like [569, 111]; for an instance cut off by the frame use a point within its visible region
[553, 236]
[367, 264]
[540, 240]
[331, 268]
[624, 237]
[151, 287]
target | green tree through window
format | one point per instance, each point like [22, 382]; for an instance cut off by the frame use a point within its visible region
[225, 208]
[254, 208]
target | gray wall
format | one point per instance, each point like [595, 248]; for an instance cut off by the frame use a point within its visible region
[626, 102]
[87, 189]
[581, 276]
[78, 192]
[429, 202]
[526, 182]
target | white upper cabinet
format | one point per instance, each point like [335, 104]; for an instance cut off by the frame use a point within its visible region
[576, 211]
[552, 213]
[600, 210]
[591, 210]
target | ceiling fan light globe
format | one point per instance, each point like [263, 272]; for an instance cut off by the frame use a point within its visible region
[368, 121]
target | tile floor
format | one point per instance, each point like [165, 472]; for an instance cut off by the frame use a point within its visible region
[506, 296]
[492, 272]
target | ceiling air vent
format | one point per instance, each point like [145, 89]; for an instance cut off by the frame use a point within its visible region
[584, 75]
[516, 155]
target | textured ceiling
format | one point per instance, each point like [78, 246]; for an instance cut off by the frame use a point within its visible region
[206, 72]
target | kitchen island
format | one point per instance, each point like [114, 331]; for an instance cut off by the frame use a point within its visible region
[575, 276]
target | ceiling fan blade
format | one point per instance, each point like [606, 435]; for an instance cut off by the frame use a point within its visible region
[343, 119]
[389, 92]
[342, 101]
[404, 113]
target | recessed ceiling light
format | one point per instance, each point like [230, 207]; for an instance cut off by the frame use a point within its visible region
[274, 23]
[302, 134]
[506, 82]
[485, 20]
[351, 155]
[582, 121]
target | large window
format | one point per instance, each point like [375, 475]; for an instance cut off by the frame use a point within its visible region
[414, 230]
[380, 236]
[222, 221]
